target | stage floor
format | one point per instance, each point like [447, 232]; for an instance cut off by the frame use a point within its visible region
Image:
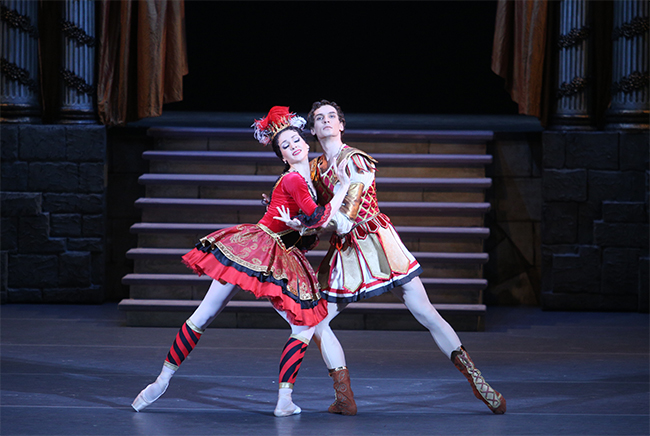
[74, 370]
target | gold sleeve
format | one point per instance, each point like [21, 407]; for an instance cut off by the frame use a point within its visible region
[352, 201]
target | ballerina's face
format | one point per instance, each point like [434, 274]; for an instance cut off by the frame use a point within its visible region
[294, 149]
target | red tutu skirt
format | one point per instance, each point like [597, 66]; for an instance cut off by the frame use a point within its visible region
[254, 258]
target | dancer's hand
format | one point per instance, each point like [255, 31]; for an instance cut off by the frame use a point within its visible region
[342, 174]
[285, 217]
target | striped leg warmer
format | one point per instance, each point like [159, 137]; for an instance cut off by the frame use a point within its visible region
[292, 355]
[186, 339]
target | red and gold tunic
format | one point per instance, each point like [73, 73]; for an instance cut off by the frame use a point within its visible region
[366, 255]
[267, 258]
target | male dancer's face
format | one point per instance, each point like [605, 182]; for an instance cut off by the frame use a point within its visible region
[326, 123]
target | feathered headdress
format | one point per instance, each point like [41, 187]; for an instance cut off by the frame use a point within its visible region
[278, 118]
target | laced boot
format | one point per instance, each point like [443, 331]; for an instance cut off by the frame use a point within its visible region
[482, 390]
[344, 403]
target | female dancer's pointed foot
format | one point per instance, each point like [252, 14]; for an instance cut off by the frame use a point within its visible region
[291, 409]
[285, 406]
[148, 395]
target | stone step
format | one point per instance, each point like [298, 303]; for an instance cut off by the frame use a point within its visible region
[193, 279]
[446, 258]
[260, 314]
[388, 207]
[442, 136]
[449, 184]
[269, 158]
[443, 233]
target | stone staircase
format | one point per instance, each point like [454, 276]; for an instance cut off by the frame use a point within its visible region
[430, 183]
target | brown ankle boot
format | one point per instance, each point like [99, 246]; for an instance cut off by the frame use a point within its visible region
[344, 403]
[482, 390]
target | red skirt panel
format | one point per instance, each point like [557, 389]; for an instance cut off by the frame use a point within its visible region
[254, 258]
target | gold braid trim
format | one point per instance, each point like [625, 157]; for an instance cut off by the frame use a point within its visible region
[300, 338]
[348, 152]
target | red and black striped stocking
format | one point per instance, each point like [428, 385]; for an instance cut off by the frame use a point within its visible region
[185, 341]
[292, 355]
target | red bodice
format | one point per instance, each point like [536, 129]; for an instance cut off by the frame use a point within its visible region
[292, 192]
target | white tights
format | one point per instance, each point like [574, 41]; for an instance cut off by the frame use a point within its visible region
[213, 303]
[414, 296]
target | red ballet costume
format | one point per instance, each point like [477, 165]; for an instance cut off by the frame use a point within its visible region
[256, 258]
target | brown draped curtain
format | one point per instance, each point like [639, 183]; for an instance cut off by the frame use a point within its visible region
[142, 58]
[519, 53]
[524, 53]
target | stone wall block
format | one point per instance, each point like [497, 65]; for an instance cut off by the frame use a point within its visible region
[65, 224]
[9, 238]
[34, 236]
[620, 271]
[554, 146]
[633, 235]
[21, 203]
[619, 303]
[91, 177]
[83, 295]
[9, 143]
[4, 272]
[582, 301]
[586, 214]
[53, 176]
[592, 150]
[85, 143]
[74, 269]
[560, 223]
[624, 212]
[634, 151]
[93, 226]
[43, 143]
[14, 176]
[73, 203]
[615, 186]
[24, 295]
[548, 253]
[564, 185]
[95, 245]
[577, 273]
[644, 284]
[33, 270]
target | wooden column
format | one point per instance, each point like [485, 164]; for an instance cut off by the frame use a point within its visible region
[19, 57]
[629, 105]
[574, 92]
[78, 94]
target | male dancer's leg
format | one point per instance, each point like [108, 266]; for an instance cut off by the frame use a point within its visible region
[416, 300]
[334, 358]
[290, 362]
[188, 336]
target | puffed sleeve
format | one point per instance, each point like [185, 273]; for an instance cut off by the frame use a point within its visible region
[311, 215]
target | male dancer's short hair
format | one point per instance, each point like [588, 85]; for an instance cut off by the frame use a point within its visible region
[318, 104]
